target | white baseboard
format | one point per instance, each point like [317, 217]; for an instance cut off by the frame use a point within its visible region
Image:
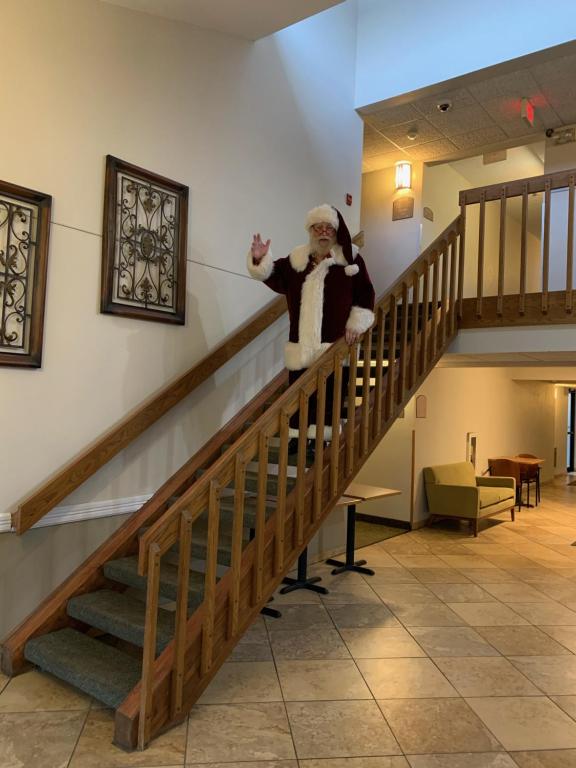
[76, 513]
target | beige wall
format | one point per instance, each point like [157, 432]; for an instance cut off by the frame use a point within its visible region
[238, 122]
[390, 246]
[507, 408]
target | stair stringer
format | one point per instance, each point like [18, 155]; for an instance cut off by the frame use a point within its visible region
[51, 614]
[196, 680]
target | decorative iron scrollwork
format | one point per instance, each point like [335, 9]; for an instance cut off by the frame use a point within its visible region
[144, 249]
[24, 230]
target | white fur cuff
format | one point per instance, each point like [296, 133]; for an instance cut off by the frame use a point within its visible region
[264, 269]
[360, 319]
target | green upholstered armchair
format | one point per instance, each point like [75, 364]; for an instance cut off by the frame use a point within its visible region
[453, 490]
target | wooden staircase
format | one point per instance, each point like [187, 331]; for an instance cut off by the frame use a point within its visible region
[145, 623]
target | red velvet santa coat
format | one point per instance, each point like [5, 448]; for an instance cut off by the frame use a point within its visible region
[323, 301]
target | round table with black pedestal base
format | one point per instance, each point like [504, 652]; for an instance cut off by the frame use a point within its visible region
[355, 494]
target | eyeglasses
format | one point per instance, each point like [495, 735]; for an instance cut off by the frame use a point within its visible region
[319, 228]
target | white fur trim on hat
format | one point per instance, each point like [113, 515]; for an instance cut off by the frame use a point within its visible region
[322, 214]
[264, 269]
[359, 319]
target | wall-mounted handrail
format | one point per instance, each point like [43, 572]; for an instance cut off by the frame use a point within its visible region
[83, 466]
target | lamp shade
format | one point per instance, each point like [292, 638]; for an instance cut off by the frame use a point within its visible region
[403, 174]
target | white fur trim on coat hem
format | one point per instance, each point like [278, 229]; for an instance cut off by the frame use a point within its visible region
[359, 319]
[264, 269]
[298, 356]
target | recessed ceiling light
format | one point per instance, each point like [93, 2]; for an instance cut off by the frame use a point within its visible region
[444, 106]
[412, 133]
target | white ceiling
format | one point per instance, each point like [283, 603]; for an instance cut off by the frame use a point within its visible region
[250, 19]
[485, 113]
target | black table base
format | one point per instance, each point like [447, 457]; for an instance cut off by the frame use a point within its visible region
[302, 581]
[272, 612]
[350, 564]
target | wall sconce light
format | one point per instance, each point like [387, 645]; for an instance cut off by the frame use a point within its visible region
[403, 175]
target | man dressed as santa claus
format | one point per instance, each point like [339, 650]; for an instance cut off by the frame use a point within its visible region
[327, 288]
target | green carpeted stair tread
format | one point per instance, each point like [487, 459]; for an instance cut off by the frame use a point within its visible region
[125, 571]
[118, 614]
[98, 669]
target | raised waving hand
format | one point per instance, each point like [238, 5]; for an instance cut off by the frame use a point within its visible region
[259, 249]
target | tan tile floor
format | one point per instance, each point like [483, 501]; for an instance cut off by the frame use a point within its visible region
[457, 653]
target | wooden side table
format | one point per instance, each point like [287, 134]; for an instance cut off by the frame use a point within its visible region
[356, 493]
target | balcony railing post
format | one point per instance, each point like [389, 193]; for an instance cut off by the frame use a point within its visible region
[481, 235]
[546, 247]
[523, 244]
[501, 253]
[570, 247]
[461, 258]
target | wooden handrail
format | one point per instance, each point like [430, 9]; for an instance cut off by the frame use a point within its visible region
[258, 567]
[132, 426]
[516, 309]
[557, 180]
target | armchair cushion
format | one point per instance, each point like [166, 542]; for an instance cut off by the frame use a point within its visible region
[496, 482]
[490, 496]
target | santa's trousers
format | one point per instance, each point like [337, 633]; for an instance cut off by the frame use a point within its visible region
[295, 419]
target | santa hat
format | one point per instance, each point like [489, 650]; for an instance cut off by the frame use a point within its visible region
[327, 214]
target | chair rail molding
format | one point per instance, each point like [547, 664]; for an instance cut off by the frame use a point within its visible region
[77, 513]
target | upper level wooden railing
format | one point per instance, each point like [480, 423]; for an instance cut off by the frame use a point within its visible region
[415, 320]
[112, 442]
[523, 259]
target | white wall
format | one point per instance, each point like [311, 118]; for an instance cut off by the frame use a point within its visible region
[509, 411]
[559, 158]
[406, 46]
[238, 122]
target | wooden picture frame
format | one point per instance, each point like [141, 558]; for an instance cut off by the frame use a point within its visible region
[143, 244]
[24, 238]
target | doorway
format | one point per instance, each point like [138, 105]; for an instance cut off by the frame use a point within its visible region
[570, 448]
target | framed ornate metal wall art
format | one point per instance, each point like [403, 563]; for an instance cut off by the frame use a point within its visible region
[144, 244]
[24, 234]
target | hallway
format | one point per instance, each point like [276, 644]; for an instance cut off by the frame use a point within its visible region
[457, 653]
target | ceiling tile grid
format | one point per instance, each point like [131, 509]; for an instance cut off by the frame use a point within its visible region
[483, 115]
